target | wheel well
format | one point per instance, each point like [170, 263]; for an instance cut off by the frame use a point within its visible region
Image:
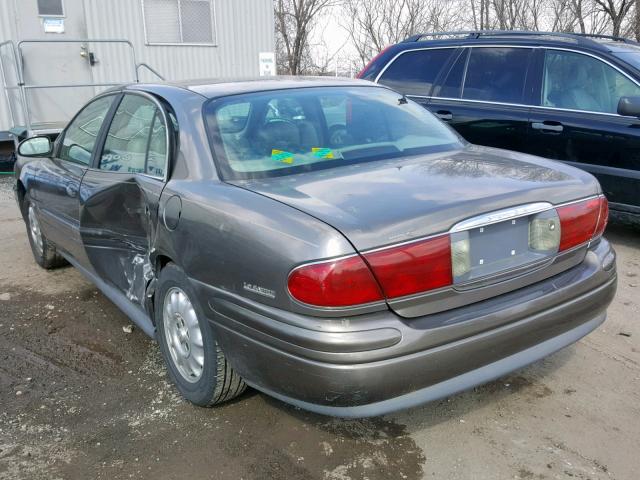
[161, 262]
[21, 191]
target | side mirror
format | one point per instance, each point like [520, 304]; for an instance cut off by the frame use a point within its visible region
[629, 106]
[36, 147]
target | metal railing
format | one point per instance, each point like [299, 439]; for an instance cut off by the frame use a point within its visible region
[19, 81]
[24, 88]
[152, 70]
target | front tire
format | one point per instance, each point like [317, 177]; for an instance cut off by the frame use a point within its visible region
[44, 252]
[194, 360]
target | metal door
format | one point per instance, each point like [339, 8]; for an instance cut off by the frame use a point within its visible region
[119, 196]
[58, 180]
[57, 63]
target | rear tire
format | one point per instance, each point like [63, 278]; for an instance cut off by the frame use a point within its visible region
[195, 362]
[44, 252]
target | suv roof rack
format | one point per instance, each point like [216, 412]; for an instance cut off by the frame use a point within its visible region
[585, 38]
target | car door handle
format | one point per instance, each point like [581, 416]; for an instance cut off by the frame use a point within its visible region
[71, 191]
[444, 115]
[548, 126]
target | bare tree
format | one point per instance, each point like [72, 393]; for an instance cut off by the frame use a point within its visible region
[295, 20]
[636, 25]
[480, 14]
[372, 25]
[616, 10]
[562, 17]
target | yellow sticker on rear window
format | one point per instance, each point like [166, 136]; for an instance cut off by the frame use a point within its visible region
[322, 152]
[281, 156]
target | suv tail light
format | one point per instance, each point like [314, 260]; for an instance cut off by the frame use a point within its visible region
[336, 283]
[371, 62]
[582, 221]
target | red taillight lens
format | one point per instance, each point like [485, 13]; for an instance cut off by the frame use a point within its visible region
[412, 268]
[578, 222]
[371, 62]
[337, 283]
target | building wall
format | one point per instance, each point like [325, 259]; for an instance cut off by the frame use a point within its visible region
[7, 32]
[243, 29]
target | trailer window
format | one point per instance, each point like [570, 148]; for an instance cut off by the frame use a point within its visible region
[50, 8]
[175, 22]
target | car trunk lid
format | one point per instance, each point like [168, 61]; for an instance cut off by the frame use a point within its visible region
[385, 203]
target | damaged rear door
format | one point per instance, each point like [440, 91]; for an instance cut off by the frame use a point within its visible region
[120, 195]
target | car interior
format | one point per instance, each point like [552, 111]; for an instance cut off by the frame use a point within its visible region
[308, 129]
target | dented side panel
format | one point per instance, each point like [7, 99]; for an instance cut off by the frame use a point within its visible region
[118, 226]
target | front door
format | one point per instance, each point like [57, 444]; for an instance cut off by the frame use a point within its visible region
[485, 96]
[576, 121]
[120, 195]
[58, 180]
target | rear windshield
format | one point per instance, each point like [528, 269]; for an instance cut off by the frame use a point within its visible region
[290, 131]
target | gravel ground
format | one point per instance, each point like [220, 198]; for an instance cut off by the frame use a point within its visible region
[6, 192]
[80, 398]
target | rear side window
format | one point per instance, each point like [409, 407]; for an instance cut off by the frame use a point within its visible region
[413, 73]
[451, 85]
[136, 141]
[579, 82]
[497, 74]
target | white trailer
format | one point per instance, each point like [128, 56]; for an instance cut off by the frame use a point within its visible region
[56, 54]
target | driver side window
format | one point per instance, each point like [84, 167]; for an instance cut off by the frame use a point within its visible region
[82, 133]
[579, 82]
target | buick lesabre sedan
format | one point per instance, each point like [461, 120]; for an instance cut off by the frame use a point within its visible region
[329, 243]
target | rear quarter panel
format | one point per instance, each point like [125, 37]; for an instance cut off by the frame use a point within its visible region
[232, 239]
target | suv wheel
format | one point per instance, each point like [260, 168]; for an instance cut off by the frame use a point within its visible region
[195, 362]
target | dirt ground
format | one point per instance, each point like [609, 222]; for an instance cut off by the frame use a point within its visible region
[82, 399]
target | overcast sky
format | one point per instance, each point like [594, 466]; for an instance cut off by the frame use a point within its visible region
[330, 38]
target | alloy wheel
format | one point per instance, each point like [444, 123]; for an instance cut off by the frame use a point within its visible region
[34, 230]
[183, 335]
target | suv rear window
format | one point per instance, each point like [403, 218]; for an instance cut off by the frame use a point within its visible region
[414, 72]
[496, 74]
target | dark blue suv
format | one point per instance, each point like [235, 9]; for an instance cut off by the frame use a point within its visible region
[568, 97]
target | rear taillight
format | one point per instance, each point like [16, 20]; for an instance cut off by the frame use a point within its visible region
[371, 62]
[582, 221]
[414, 267]
[431, 263]
[336, 283]
[400, 271]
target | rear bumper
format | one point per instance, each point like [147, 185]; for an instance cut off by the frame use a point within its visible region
[380, 363]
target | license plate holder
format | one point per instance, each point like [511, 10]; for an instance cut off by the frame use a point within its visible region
[497, 248]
